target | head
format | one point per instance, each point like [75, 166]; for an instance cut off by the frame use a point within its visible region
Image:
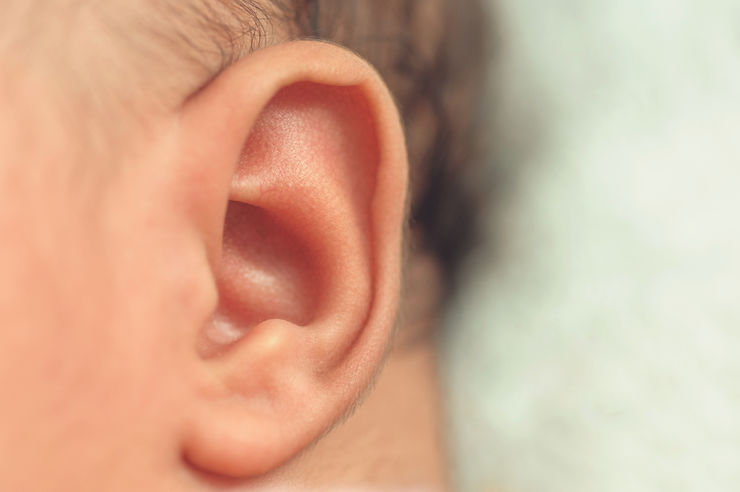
[204, 222]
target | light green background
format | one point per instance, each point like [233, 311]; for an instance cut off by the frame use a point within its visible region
[600, 349]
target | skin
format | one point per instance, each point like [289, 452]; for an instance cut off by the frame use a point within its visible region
[199, 286]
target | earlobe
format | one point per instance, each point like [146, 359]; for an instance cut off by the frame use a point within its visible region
[303, 216]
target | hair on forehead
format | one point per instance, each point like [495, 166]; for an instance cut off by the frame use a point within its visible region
[216, 33]
[212, 34]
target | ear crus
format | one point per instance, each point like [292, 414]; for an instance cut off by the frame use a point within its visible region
[302, 172]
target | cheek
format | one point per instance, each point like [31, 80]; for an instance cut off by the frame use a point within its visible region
[97, 309]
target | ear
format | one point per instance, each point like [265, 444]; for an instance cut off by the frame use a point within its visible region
[299, 177]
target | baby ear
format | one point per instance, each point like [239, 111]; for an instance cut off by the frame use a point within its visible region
[299, 176]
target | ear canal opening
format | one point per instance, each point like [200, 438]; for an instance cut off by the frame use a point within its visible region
[266, 272]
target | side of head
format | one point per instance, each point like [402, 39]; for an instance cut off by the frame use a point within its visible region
[202, 242]
[216, 292]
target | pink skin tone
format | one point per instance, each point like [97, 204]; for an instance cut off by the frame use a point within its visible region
[149, 340]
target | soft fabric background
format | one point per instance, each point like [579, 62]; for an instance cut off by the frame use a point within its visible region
[599, 349]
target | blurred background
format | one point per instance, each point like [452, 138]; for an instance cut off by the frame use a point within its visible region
[596, 345]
